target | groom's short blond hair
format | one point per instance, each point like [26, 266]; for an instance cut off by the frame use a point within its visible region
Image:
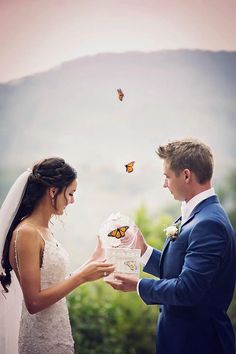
[189, 154]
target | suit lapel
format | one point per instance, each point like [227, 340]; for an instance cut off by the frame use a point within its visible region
[166, 244]
[200, 206]
[196, 210]
[165, 247]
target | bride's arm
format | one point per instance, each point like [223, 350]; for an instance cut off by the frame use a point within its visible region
[98, 253]
[29, 245]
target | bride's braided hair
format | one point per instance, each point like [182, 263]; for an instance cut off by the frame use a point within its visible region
[51, 172]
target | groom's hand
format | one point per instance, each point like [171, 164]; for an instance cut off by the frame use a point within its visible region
[124, 282]
[140, 241]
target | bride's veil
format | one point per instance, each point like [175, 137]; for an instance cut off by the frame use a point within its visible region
[10, 303]
[10, 309]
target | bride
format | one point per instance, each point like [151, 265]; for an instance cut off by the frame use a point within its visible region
[38, 260]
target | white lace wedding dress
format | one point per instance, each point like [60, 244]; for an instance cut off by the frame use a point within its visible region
[48, 331]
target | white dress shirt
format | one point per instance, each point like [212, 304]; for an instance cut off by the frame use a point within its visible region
[186, 210]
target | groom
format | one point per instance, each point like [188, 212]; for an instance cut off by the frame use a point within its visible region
[197, 267]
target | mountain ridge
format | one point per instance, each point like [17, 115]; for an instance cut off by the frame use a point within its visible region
[85, 57]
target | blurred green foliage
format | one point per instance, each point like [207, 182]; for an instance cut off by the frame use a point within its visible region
[227, 196]
[105, 321]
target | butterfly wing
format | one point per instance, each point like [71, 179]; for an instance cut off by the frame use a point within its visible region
[113, 233]
[132, 265]
[130, 166]
[123, 230]
[119, 232]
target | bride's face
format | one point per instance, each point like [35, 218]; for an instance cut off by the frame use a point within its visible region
[65, 198]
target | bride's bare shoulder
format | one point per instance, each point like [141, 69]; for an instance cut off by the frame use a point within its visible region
[26, 232]
[25, 243]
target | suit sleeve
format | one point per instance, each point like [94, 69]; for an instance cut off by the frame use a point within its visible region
[207, 244]
[153, 264]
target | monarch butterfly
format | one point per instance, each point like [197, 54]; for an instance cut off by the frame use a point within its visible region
[119, 232]
[132, 265]
[129, 167]
[120, 94]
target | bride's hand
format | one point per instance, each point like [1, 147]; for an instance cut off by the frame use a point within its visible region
[98, 253]
[95, 270]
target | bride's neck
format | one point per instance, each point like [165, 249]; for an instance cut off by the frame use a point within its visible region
[41, 216]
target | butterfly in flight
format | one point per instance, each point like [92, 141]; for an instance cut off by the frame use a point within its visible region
[120, 94]
[130, 166]
[119, 232]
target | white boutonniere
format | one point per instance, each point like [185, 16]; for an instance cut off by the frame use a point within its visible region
[173, 231]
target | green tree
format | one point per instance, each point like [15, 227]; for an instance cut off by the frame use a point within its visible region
[105, 321]
[227, 195]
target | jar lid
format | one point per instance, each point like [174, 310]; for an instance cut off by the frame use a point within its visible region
[118, 231]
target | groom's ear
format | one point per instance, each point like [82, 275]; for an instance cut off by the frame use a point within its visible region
[187, 175]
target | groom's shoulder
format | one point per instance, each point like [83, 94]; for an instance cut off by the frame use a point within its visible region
[211, 205]
[213, 214]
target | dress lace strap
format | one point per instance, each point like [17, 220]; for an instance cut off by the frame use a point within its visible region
[15, 250]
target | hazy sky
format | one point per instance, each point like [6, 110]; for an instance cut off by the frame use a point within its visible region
[38, 34]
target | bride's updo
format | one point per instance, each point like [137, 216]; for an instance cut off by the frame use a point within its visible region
[50, 172]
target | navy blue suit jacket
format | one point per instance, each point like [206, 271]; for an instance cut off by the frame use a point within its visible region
[197, 278]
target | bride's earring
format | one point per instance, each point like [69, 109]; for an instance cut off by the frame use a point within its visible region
[52, 197]
[53, 202]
